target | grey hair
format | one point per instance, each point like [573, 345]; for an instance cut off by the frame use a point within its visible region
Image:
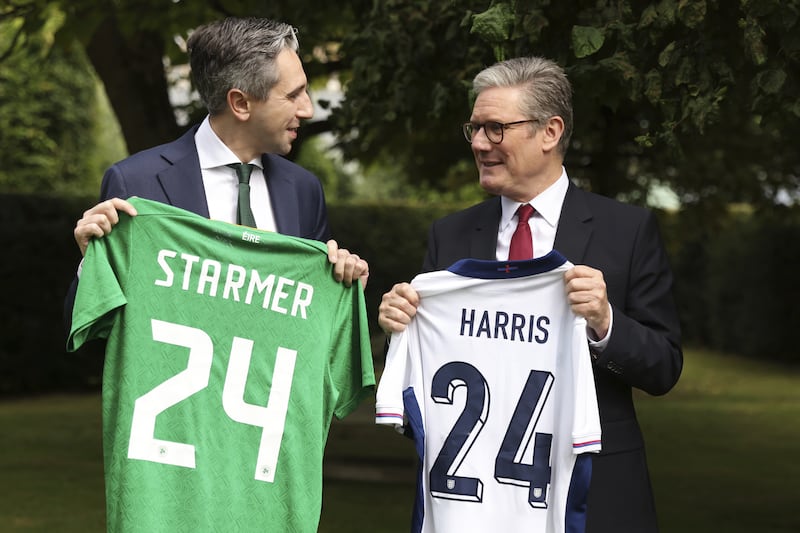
[546, 90]
[237, 53]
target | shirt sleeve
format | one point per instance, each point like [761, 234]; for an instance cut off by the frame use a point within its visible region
[389, 408]
[586, 433]
[351, 367]
[99, 292]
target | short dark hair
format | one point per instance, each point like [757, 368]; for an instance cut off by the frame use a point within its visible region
[237, 53]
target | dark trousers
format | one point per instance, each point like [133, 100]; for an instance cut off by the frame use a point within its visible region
[620, 495]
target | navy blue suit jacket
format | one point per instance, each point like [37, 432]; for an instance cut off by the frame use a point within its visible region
[170, 173]
[644, 351]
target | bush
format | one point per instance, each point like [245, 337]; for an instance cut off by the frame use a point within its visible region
[735, 280]
[40, 259]
[392, 238]
[753, 284]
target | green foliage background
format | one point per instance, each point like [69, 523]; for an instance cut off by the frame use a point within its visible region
[702, 96]
[57, 133]
[699, 95]
[733, 290]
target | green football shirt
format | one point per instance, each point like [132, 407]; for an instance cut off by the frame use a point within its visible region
[229, 351]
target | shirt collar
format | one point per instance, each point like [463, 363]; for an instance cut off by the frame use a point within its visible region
[212, 152]
[547, 204]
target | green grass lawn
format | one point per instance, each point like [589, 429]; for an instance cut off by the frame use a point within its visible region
[722, 448]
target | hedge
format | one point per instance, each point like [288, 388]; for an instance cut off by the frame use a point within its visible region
[736, 281]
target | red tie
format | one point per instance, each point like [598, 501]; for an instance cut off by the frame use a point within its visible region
[521, 241]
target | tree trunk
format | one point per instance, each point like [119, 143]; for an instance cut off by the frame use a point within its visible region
[132, 70]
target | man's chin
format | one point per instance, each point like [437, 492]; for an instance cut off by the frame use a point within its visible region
[490, 185]
[283, 149]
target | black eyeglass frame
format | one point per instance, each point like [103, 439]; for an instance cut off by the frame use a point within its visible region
[470, 129]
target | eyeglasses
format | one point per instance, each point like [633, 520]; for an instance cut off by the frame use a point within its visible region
[493, 130]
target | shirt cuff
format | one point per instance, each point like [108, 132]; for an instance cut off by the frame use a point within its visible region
[598, 345]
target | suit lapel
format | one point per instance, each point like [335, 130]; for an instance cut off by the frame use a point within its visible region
[182, 182]
[574, 226]
[483, 244]
[282, 197]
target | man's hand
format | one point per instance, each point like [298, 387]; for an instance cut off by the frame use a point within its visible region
[586, 292]
[347, 267]
[99, 220]
[398, 307]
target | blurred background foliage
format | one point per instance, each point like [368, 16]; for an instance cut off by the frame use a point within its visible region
[689, 106]
[698, 97]
[57, 131]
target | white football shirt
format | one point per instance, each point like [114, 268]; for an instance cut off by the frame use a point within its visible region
[493, 377]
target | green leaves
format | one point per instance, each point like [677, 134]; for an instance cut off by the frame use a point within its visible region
[692, 13]
[753, 35]
[494, 24]
[494, 27]
[586, 40]
[46, 119]
[658, 86]
[771, 81]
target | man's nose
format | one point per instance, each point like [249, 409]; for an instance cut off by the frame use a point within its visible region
[305, 108]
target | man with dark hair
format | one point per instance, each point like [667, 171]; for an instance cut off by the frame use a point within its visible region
[229, 349]
[249, 75]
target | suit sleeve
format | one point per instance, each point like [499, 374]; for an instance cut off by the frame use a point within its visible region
[644, 348]
[113, 186]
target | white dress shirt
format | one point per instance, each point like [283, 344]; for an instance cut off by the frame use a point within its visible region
[543, 223]
[222, 185]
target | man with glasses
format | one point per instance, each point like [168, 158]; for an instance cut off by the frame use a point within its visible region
[621, 285]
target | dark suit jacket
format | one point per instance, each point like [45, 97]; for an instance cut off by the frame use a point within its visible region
[643, 351]
[170, 173]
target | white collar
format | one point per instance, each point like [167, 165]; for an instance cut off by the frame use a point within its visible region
[212, 152]
[547, 204]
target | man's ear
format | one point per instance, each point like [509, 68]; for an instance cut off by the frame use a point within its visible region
[552, 132]
[239, 104]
